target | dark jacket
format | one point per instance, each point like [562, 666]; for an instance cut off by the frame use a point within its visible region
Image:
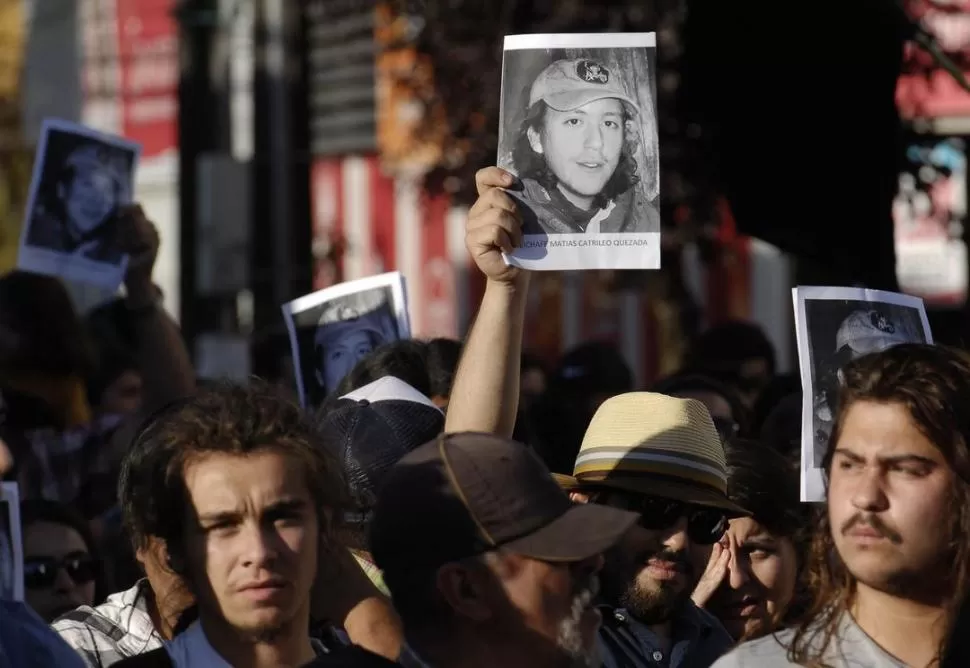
[351, 656]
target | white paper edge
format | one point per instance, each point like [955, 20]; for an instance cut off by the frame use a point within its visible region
[392, 279]
[10, 494]
[812, 487]
[620, 40]
[49, 124]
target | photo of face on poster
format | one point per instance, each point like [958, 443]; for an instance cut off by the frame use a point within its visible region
[835, 326]
[11, 548]
[578, 127]
[81, 180]
[333, 329]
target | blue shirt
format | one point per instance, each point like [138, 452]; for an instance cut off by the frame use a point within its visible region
[25, 640]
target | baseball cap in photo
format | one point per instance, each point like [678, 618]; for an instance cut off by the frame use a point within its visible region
[462, 495]
[566, 85]
[371, 428]
[868, 331]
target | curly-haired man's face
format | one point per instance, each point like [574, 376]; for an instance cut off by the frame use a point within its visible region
[89, 199]
[254, 541]
[582, 147]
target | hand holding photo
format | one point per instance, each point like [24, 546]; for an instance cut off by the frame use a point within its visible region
[333, 329]
[11, 545]
[81, 180]
[578, 126]
[835, 326]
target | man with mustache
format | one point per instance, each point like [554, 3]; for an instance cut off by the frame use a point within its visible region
[650, 453]
[891, 563]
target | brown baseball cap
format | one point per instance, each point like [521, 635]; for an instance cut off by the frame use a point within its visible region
[466, 494]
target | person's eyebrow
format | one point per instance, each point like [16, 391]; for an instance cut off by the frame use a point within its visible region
[848, 454]
[219, 517]
[891, 459]
[285, 507]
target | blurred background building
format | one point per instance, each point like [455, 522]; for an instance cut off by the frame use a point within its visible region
[292, 145]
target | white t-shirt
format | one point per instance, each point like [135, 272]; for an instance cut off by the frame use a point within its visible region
[850, 647]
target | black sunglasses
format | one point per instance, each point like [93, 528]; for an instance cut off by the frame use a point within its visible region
[41, 572]
[705, 526]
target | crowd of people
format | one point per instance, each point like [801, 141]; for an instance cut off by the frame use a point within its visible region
[461, 504]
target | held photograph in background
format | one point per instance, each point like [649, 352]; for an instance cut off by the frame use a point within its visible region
[578, 127]
[834, 326]
[81, 180]
[333, 329]
[11, 544]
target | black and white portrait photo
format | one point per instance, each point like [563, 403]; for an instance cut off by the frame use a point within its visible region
[333, 329]
[11, 550]
[578, 128]
[81, 179]
[835, 326]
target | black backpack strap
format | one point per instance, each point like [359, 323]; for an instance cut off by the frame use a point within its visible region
[157, 658]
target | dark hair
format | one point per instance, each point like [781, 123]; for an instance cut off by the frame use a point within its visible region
[694, 382]
[782, 428]
[933, 384]
[112, 335]
[764, 483]
[443, 357]
[529, 164]
[34, 511]
[724, 346]
[532, 361]
[777, 389]
[406, 360]
[226, 418]
[40, 330]
[591, 368]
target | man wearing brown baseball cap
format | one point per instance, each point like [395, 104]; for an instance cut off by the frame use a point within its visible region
[486, 557]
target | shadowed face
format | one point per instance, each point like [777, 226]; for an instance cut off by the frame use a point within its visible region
[89, 199]
[582, 147]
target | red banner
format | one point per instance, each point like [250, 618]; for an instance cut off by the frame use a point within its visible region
[924, 89]
[148, 54]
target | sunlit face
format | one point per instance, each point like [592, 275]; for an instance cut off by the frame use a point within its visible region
[888, 500]
[89, 199]
[254, 541]
[553, 601]
[341, 355]
[59, 572]
[582, 147]
[760, 582]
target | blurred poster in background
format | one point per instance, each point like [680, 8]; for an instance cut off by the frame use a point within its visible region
[930, 212]
[16, 157]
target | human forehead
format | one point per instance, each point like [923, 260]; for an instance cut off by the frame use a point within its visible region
[748, 528]
[223, 482]
[872, 430]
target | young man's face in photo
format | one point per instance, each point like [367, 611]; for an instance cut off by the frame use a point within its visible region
[89, 199]
[582, 147]
[340, 354]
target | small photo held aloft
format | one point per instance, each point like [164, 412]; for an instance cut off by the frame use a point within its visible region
[578, 127]
[334, 328]
[81, 180]
[835, 326]
[11, 544]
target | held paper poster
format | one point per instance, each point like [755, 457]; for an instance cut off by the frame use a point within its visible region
[578, 127]
[334, 328]
[834, 326]
[81, 179]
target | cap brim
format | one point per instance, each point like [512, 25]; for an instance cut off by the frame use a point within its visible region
[572, 100]
[668, 489]
[583, 531]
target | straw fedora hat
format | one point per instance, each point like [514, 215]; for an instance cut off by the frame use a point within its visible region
[650, 443]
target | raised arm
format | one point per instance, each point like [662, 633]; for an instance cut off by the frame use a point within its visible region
[485, 395]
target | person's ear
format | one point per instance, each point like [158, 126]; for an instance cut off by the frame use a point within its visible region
[535, 141]
[578, 497]
[440, 401]
[466, 591]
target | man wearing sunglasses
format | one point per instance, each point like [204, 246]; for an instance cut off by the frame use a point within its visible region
[659, 456]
